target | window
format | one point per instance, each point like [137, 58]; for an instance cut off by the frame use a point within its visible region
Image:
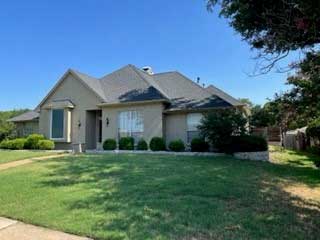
[193, 121]
[57, 122]
[131, 124]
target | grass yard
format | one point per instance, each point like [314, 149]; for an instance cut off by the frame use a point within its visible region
[166, 197]
[14, 155]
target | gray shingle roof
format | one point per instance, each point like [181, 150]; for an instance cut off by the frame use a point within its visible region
[27, 116]
[130, 84]
[224, 95]
[185, 94]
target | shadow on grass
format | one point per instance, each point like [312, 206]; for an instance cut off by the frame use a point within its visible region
[166, 197]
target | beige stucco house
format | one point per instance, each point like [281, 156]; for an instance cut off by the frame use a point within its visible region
[127, 102]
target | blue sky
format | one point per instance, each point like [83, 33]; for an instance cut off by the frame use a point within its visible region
[40, 40]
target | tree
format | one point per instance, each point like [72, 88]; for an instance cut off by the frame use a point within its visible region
[218, 126]
[7, 128]
[247, 102]
[262, 116]
[300, 105]
[305, 92]
[274, 27]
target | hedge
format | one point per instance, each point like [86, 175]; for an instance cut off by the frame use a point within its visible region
[199, 145]
[46, 145]
[14, 144]
[177, 145]
[142, 145]
[33, 140]
[126, 143]
[157, 144]
[248, 143]
[109, 144]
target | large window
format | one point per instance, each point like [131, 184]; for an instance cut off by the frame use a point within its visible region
[193, 121]
[131, 124]
[57, 123]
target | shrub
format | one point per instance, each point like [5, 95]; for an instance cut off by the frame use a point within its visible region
[313, 129]
[4, 144]
[177, 146]
[314, 150]
[109, 144]
[126, 143]
[157, 144]
[220, 125]
[18, 143]
[15, 144]
[142, 145]
[33, 140]
[199, 145]
[46, 145]
[247, 143]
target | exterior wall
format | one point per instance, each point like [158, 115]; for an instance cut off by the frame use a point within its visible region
[83, 99]
[152, 115]
[176, 127]
[26, 128]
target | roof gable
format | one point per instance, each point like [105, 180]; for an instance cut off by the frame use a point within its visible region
[87, 81]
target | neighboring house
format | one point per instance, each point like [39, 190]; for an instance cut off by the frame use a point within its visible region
[127, 102]
[26, 123]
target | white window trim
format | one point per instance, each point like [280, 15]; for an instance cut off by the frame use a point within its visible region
[188, 126]
[51, 113]
[188, 119]
[133, 110]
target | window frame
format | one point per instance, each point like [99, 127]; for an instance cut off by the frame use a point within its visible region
[189, 130]
[130, 133]
[63, 126]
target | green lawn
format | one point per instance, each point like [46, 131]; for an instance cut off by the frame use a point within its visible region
[166, 197]
[14, 155]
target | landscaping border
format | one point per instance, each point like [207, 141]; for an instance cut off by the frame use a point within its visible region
[256, 156]
[156, 152]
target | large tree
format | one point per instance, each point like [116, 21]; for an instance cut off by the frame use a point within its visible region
[7, 128]
[274, 27]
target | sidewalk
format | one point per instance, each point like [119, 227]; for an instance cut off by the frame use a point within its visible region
[15, 230]
[17, 163]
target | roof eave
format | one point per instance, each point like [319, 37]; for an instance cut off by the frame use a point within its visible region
[114, 104]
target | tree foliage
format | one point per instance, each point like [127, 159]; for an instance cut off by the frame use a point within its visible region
[301, 104]
[7, 129]
[219, 125]
[262, 116]
[274, 27]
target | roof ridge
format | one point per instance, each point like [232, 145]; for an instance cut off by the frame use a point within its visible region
[192, 82]
[85, 74]
[223, 92]
[139, 73]
[165, 72]
[118, 70]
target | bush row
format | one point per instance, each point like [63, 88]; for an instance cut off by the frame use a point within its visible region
[244, 143]
[156, 144]
[33, 141]
[127, 143]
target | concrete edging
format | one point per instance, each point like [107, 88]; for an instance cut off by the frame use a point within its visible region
[156, 153]
[255, 156]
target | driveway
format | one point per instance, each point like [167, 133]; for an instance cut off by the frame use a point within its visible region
[15, 230]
